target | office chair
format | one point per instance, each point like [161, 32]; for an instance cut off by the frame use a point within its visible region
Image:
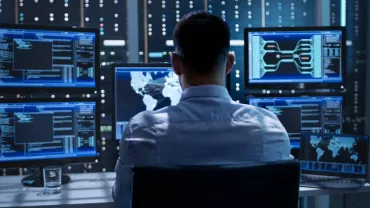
[264, 185]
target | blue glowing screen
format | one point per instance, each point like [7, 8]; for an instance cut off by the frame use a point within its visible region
[52, 130]
[144, 88]
[43, 58]
[295, 57]
[311, 114]
[334, 154]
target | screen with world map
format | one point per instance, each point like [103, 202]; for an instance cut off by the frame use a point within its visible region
[143, 88]
[334, 154]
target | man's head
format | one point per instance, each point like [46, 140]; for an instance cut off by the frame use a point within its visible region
[202, 44]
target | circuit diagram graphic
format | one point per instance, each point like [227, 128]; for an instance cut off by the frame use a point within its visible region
[295, 57]
[306, 56]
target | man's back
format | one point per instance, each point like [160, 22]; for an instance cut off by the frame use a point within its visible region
[206, 127]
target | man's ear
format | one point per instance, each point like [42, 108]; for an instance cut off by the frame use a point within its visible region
[175, 61]
[230, 62]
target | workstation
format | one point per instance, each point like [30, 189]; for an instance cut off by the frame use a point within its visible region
[74, 74]
[94, 190]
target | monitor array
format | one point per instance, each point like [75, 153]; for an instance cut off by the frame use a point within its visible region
[36, 128]
[287, 66]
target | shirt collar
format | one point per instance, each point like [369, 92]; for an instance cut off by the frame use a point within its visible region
[205, 91]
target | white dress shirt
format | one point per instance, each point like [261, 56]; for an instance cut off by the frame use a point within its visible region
[206, 127]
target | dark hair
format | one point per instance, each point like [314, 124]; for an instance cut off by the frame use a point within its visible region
[202, 40]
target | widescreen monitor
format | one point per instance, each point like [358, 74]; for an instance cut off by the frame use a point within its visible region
[38, 133]
[294, 57]
[304, 114]
[142, 87]
[334, 155]
[38, 57]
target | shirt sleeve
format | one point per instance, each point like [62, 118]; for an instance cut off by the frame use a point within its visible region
[137, 148]
[276, 142]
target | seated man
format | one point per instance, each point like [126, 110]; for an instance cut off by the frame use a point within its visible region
[207, 126]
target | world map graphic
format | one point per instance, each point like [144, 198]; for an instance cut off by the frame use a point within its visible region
[335, 146]
[154, 87]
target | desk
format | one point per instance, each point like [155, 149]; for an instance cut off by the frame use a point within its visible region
[84, 190]
[322, 196]
[95, 190]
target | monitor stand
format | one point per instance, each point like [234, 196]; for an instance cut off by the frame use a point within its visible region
[37, 180]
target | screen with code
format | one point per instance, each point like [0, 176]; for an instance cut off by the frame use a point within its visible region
[52, 130]
[45, 58]
[304, 114]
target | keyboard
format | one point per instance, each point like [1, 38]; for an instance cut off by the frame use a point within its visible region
[331, 182]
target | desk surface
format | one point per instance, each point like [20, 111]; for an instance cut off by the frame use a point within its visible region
[92, 188]
[304, 191]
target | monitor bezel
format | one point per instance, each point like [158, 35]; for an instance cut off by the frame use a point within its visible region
[49, 89]
[61, 161]
[346, 175]
[289, 86]
[302, 96]
[122, 65]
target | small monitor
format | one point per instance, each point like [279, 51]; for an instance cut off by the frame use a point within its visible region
[48, 57]
[304, 114]
[334, 155]
[41, 133]
[142, 87]
[287, 58]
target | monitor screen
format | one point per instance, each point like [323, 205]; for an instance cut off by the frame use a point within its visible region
[304, 114]
[143, 88]
[294, 56]
[47, 58]
[334, 155]
[47, 130]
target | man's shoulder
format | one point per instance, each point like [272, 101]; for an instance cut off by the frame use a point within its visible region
[141, 120]
[240, 112]
[258, 117]
[147, 119]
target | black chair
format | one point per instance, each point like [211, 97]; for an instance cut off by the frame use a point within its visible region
[264, 185]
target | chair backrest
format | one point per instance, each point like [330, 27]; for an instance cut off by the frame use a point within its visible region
[262, 185]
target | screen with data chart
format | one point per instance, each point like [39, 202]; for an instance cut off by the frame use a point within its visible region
[294, 56]
[34, 57]
[336, 155]
[36, 131]
[311, 114]
[143, 88]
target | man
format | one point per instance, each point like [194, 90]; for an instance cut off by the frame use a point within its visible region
[206, 127]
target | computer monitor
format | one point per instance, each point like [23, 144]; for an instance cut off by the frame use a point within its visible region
[287, 58]
[39, 133]
[334, 155]
[40, 58]
[304, 114]
[141, 87]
